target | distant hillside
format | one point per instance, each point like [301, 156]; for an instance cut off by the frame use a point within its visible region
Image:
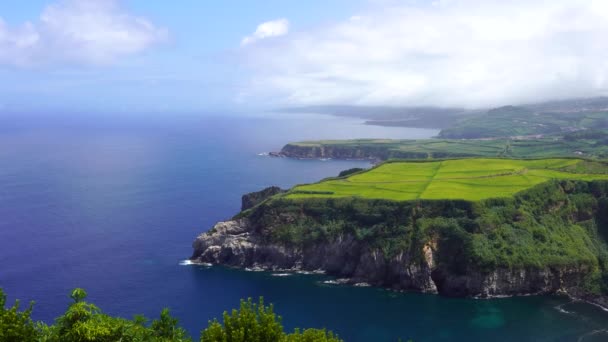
[514, 121]
[588, 143]
[572, 105]
[526, 119]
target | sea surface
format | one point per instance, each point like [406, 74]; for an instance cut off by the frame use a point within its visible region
[112, 204]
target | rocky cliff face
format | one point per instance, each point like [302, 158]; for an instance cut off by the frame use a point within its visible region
[371, 152]
[548, 239]
[237, 243]
[334, 152]
[510, 282]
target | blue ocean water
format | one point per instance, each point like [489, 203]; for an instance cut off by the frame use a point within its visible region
[112, 204]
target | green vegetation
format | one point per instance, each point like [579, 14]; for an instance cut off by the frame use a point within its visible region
[86, 322]
[480, 215]
[556, 224]
[350, 171]
[256, 322]
[466, 179]
[558, 129]
[590, 144]
[252, 199]
[512, 121]
[16, 325]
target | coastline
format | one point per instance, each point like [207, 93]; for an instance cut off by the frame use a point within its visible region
[280, 272]
[432, 252]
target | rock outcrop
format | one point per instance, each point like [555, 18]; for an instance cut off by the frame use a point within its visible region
[373, 152]
[235, 243]
[498, 247]
[334, 152]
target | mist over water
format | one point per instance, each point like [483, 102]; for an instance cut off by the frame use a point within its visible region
[112, 204]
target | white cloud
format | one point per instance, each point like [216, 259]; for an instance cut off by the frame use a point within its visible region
[449, 52]
[78, 31]
[273, 28]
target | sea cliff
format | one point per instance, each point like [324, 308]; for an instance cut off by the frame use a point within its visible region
[370, 152]
[546, 240]
[589, 144]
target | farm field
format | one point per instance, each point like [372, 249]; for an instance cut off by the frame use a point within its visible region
[467, 179]
[512, 121]
[586, 143]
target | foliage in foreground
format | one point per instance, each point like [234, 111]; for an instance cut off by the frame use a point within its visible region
[256, 322]
[86, 322]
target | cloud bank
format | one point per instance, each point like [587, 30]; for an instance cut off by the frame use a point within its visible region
[77, 31]
[448, 53]
[273, 28]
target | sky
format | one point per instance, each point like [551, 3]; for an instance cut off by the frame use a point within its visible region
[196, 56]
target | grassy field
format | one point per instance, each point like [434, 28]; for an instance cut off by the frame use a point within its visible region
[589, 143]
[467, 179]
[511, 121]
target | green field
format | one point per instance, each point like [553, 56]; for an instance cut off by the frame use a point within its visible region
[467, 179]
[510, 121]
[586, 143]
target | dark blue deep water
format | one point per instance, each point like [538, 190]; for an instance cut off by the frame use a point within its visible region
[112, 204]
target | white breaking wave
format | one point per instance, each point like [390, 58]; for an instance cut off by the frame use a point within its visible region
[188, 262]
[561, 309]
[340, 281]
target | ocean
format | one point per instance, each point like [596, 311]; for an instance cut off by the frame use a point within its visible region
[112, 204]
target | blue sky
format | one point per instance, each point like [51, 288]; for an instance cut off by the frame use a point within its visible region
[201, 56]
[191, 70]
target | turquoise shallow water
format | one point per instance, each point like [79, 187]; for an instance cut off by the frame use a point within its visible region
[371, 314]
[112, 204]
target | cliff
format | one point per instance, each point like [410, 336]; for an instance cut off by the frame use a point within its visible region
[375, 152]
[545, 240]
[589, 144]
[252, 199]
[335, 152]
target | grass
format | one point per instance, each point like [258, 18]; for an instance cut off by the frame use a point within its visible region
[511, 121]
[466, 179]
[556, 146]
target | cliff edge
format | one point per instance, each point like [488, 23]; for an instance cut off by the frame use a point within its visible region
[550, 238]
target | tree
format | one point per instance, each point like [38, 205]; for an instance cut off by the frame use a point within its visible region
[16, 325]
[258, 323]
[85, 322]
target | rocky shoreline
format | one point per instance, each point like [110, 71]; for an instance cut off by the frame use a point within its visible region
[235, 243]
[328, 152]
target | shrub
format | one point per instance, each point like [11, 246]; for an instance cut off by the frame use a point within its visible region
[16, 325]
[258, 323]
[85, 322]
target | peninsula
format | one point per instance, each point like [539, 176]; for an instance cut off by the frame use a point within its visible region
[556, 129]
[463, 227]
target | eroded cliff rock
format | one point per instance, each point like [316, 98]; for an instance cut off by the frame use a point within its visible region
[374, 152]
[500, 247]
[235, 243]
